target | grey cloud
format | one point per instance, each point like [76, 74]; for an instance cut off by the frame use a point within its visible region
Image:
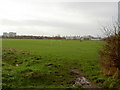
[94, 10]
[97, 9]
[39, 23]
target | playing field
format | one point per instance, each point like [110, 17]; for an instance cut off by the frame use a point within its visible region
[50, 62]
[73, 49]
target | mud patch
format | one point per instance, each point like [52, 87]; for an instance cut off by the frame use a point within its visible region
[81, 80]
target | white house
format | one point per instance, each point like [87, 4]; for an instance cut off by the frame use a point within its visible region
[10, 34]
[73, 37]
[86, 37]
[90, 38]
[5, 34]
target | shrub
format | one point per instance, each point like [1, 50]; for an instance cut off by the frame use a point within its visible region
[110, 55]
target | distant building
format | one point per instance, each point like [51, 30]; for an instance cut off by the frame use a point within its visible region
[10, 34]
[90, 38]
[86, 37]
[73, 37]
[69, 38]
[96, 38]
[5, 34]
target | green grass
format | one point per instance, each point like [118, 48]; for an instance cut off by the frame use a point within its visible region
[50, 62]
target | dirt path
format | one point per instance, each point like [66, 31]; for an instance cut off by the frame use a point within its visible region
[81, 80]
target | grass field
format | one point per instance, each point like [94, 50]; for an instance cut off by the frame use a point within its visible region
[48, 63]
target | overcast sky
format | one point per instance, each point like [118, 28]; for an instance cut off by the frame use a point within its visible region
[31, 17]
